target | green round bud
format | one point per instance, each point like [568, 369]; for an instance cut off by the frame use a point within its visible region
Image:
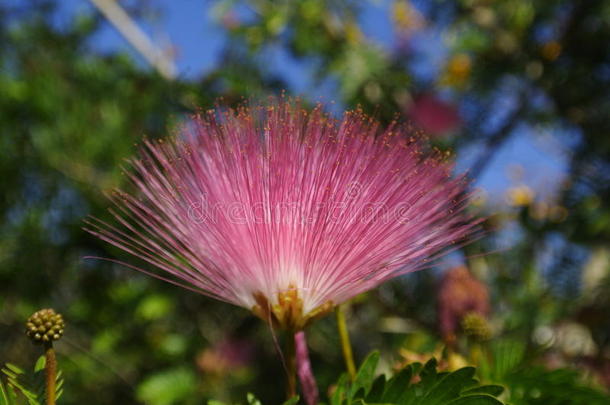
[476, 326]
[45, 326]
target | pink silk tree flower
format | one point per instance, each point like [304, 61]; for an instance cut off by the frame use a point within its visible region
[287, 212]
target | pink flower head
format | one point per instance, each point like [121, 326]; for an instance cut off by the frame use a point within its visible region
[287, 212]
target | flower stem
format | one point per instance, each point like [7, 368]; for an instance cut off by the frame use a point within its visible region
[51, 372]
[345, 342]
[291, 366]
[306, 377]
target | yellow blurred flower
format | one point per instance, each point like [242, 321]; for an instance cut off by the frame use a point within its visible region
[405, 17]
[455, 361]
[410, 356]
[451, 362]
[353, 34]
[519, 196]
[457, 70]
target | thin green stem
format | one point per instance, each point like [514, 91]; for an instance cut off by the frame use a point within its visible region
[346, 346]
[291, 366]
[50, 372]
[476, 353]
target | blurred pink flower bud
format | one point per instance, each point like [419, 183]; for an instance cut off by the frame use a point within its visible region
[459, 295]
[228, 355]
[433, 115]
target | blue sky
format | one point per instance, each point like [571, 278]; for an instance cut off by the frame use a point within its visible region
[191, 29]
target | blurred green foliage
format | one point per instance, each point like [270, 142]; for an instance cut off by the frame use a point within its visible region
[70, 116]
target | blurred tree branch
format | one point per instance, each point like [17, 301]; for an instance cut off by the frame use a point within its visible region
[136, 37]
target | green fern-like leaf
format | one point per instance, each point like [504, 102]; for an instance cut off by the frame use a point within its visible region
[7, 395]
[15, 376]
[415, 385]
[30, 385]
